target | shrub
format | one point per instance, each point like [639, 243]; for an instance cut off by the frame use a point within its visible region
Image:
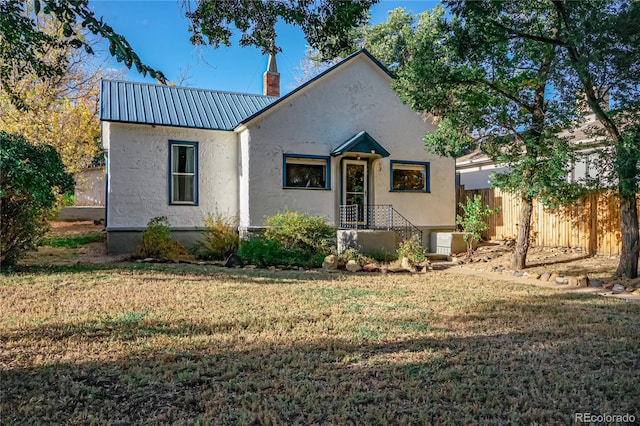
[291, 239]
[474, 219]
[412, 249]
[219, 240]
[29, 177]
[157, 242]
[295, 230]
[353, 253]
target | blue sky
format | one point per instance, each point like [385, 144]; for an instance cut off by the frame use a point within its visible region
[157, 30]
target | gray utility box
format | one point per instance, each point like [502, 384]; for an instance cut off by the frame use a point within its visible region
[449, 242]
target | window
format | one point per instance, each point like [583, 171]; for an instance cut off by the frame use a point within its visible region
[410, 176]
[183, 181]
[306, 172]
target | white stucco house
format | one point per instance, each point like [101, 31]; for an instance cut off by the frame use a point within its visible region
[342, 146]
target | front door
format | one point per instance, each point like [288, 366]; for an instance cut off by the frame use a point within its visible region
[354, 191]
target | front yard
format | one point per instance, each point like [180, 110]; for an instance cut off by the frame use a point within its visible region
[148, 343]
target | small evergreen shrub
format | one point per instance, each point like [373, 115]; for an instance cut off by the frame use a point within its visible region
[412, 249]
[157, 242]
[219, 240]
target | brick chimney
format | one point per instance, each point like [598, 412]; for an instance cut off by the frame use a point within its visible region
[271, 80]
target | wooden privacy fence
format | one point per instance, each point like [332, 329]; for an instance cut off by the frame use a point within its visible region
[592, 223]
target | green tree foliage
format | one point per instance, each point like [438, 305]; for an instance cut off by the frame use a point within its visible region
[327, 24]
[29, 177]
[58, 110]
[489, 92]
[474, 220]
[22, 42]
[597, 67]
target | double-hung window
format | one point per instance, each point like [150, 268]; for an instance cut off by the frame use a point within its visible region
[409, 176]
[183, 164]
[306, 172]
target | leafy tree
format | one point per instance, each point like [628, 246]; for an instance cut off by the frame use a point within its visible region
[327, 24]
[29, 177]
[22, 42]
[59, 110]
[598, 57]
[487, 91]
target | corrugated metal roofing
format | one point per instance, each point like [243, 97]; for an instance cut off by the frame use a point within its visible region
[144, 103]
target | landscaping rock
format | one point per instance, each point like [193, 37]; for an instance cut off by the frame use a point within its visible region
[371, 267]
[384, 269]
[618, 288]
[593, 282]
[406, 265]
[330, 262]
[583, 281]
[572, 280]
[353, 266]
[552, 277]
[562, 280]
[233, 261]
[545, 276]
[607, 285]
[518, 273]
[250, 267]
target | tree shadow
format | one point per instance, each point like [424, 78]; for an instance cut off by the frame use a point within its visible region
[580, 356]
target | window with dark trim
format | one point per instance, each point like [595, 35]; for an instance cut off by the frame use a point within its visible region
[409, 176]
[183, 172]
[306, 172]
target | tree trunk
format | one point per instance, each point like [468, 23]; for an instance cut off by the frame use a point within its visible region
[519, 256]
[628, 266]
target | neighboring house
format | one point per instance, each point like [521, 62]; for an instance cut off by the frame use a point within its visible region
[474, 170]
[342, 146]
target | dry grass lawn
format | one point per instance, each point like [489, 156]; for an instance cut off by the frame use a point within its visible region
[186, 344]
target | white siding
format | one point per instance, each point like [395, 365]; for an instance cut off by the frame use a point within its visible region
[138, 175]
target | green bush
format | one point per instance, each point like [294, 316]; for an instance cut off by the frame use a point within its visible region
[219, 240]
[30, 176]
[291, 239]
[157, 242]
[412, 249]
[301, 231]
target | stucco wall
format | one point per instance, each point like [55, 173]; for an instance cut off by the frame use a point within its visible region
[354, 97]
[138, 175]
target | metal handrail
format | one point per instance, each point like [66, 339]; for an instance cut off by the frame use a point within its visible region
[377, 216]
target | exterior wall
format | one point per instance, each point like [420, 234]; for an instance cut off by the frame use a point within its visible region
[138, 175]
[90, 187]
[355, 96]
[478, 177]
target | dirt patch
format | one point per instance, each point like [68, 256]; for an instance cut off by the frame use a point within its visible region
[562, 260]
[59, 256]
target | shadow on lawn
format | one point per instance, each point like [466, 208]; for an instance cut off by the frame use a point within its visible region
[579, 354]
[205, 272]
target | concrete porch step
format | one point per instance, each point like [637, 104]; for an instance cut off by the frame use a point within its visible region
[437, 256]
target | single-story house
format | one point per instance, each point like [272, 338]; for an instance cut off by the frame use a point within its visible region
[342, 146]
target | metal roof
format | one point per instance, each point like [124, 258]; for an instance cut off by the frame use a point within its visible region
[144, 103]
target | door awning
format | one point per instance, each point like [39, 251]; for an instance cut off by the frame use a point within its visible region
[362, 143]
